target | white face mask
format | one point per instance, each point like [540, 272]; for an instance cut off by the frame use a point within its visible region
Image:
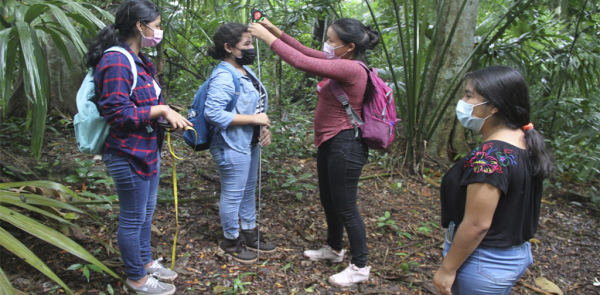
[464, 113]
[330, 51]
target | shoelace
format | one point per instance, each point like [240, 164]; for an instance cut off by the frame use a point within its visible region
[241, 245]
[156, 263]
[153, 283]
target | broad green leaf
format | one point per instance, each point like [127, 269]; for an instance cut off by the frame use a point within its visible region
[34, 209]
[11, 61]
[35, 11]
[86, 272]
[72, 33]
[94, 268]
[42, 184]
[59, 43]
[13, 245]
[51, 236]
[31, 73]
[106, 14]
[4, 37]
[32, 199]
[5, 283]
[75, 266]
[78, 8]
[7, 64]
[7, 10]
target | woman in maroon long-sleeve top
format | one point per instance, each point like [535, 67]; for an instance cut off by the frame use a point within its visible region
[341, 154]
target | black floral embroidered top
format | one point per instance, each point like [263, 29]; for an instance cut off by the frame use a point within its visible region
[506, 167]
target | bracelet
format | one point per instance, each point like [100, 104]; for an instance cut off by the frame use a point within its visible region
[167, 111]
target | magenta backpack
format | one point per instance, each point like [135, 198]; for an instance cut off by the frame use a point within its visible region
[378, 124]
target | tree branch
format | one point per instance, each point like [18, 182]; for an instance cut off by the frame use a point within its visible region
[186, 69]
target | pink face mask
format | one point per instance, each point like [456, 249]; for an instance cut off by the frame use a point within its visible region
[330, 51]
[156, 38]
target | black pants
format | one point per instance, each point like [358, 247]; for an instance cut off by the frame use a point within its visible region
[339, 163]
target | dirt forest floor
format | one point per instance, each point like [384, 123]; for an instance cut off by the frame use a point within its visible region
[404, 252]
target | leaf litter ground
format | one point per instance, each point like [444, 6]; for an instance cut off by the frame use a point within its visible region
[405, 244]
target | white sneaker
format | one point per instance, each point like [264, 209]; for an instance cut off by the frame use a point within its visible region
[152, 287]
[350, 276]
[159, 271]
[325, 253]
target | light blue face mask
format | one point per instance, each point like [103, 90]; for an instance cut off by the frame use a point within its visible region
[464, 113]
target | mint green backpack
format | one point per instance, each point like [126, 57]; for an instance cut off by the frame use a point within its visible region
[90, 127]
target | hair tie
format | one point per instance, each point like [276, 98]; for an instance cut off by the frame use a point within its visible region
[528, 126]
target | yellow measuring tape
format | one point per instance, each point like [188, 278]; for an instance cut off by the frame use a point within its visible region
[175, 157]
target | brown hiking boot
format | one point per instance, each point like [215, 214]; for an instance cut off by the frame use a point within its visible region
[237, 249]
[251, 238]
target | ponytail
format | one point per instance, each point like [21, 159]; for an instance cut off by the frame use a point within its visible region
[540, 161]
[351, 30]
[107, 38]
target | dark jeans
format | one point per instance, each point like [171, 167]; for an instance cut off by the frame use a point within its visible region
[137, 201]
[339, 163]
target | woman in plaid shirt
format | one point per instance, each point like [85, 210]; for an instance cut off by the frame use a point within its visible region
[132, 149]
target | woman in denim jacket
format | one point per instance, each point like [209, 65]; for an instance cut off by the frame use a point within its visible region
[236, 138]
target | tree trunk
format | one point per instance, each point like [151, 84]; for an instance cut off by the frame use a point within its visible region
[64, 83]
[160, 69]
[448, 139]
[17, 102]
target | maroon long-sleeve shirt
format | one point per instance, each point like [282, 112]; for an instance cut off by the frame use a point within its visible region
[330, 116]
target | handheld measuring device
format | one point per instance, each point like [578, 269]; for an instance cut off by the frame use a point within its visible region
[257, 15]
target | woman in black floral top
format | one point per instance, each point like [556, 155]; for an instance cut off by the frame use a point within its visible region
[491, 198]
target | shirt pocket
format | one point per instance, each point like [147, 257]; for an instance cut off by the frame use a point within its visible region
[246, 103]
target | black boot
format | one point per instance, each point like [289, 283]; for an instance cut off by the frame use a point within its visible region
[237, 249]
[251, 237]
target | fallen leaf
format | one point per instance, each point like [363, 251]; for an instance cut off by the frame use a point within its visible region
[221, 289]
[548, 286]
[534, 241]
[426, 192]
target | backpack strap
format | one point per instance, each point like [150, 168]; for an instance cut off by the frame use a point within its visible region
[341, 95]
[131, 62]
[236, 83]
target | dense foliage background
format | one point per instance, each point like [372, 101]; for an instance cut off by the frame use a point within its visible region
[425, 49]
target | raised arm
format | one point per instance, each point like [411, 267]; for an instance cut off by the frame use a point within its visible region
[278, 33]
[341, 70]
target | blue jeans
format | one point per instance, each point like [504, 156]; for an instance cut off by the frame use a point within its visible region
[339, 164]
[238, 174]
[490, 270]
[137, 201]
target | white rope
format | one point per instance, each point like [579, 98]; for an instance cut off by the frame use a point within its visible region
[259, 167]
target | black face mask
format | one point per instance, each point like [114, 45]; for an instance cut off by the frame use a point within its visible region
[247, 58]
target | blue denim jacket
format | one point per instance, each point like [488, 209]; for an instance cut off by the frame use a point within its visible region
[220, 93]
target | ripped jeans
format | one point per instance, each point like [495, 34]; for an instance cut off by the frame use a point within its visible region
[339, 164]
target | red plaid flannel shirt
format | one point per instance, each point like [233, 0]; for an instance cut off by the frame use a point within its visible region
[132, 132]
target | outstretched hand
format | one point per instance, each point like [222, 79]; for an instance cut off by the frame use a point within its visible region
[259, 31]
[267, 24]
[271, 27]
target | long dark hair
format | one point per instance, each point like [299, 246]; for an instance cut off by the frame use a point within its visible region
[127, 15]
[350, 30]
[507, 90]
[231, 34]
